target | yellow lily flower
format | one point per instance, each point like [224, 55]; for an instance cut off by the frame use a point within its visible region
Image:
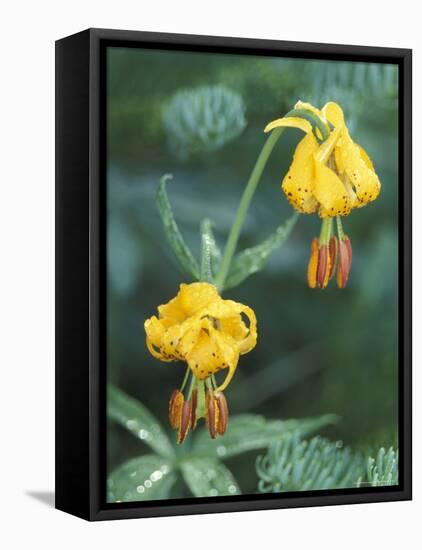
[332, 177]
[330, 174]
[209, 334]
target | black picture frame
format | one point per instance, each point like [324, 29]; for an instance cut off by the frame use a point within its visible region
[80, 273]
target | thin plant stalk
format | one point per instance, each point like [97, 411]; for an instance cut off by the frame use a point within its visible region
[245, 201]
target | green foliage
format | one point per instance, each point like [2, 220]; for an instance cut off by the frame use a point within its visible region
[310, 369]
[148, 477]
[252, 260]
[293, 464]
[208, 477]
[339, 82]
[249, 432]
[125, 258]
[152, 476]
[174, 237]
[203, 119]
[138, 420]
[210, 248]
[244, 264]
[384, 469]
[207, 245]
[371, 79]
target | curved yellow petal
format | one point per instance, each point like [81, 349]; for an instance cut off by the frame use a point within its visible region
[188, 337]
[172, 312]
[309, 107]
[230, 354]
[234, 326]
[334, 114]
[155, 352]
[298, 184]
[227, 380]
[365, 157]
[330, 192]
[247, 344]
[213, 351]
[289, 122]
[195, 296]
[210, 333]
[352, 160]
[171, 340]
[154, 330]
[229, 317]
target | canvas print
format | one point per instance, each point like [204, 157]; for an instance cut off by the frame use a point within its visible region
[252, 275]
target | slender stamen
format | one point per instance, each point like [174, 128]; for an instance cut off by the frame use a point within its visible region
[223, 413]
[340, 231]
[211, 415]
[185, 421]
[185, 379]
[194, 403]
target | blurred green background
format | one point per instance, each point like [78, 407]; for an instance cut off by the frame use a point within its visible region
[330, 351]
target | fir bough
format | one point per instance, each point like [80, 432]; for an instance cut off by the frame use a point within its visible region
[382, 470]
[295, 464]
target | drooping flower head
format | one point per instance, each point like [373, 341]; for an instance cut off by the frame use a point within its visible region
[209, 334]
[330, 174]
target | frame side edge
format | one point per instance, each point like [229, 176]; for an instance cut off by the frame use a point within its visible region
[71, 362]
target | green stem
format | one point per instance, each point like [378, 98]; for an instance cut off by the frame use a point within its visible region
[245, 201]
[340, 231]
[325, 234]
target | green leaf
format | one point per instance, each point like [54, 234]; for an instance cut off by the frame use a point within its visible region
[207, 477]
[253, 259]
[248, 432]
[148, 477]
[206, 256]
[174, 237]
[215, 250]
[210, 253]
[136, 418]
